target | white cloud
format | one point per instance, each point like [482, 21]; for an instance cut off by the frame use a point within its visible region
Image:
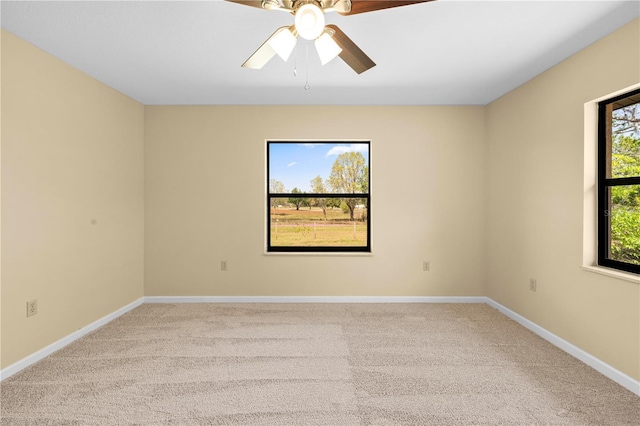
[291, 164]
[341, 149]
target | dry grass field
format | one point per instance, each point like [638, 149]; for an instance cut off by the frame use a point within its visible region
[306, 227]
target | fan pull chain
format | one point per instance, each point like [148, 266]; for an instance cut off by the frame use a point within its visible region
[306, 84]
[295, 63]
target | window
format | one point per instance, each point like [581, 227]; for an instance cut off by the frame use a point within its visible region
[318, 196]
[619, 182]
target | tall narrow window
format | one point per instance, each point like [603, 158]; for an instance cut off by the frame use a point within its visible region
[318, 196]
[619, 182]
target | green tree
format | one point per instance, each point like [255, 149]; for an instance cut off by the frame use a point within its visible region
[626, 119]
[275, 187]
[318, 187]
[625, 200]
[625, 237]
[296, 201]
[364, 184]
[333, 203]
[625, 162]
[348, 176]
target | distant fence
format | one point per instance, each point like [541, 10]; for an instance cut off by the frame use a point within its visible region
[302, 233]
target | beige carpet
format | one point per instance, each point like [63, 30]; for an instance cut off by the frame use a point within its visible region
[314, 364]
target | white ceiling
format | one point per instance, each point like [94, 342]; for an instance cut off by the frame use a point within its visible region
[437, 53]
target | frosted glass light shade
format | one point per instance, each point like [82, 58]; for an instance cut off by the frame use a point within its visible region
[283, 43]
[309, 21]
[327, 48]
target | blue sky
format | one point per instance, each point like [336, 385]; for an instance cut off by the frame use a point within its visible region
[295, 164]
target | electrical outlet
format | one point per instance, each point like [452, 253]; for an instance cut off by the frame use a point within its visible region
[426, 265]
[223, 265]
[533, 284]
[32, 307]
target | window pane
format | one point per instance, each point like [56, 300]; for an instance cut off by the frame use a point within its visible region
[320, 167]
[319, 222]
[625, 141]
[625, 224]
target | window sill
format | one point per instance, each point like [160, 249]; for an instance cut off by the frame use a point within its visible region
[318, 254]
[626, 276]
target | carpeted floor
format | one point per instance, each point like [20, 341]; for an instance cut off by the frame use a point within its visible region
[314, 364]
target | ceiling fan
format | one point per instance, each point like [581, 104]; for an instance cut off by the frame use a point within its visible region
[309, 24]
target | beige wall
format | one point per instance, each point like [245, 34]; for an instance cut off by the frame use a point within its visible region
[205, 201]
[1, 33]
[535, 205]
[492, 196]
[72, 152]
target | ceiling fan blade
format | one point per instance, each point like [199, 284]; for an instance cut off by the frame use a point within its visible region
[351, 54]
[264, 53]
[285, 5]
[362, 6]
[254, 3]
[260, 57]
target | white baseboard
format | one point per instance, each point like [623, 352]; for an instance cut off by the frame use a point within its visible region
[598, 365]
[44, 352]
[312, 299]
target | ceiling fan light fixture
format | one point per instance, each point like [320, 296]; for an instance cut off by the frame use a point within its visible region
[283, 43]
[341, 6]
[327, 48]
[309, 21]
[271, 4]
